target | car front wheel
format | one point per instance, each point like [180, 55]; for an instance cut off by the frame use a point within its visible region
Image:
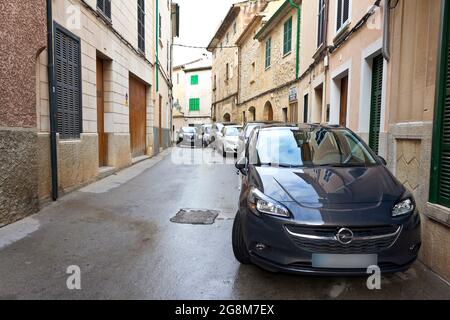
[239, 246]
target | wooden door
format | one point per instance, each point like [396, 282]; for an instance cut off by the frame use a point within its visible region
[344, 102]
[102, 137]
[138, 117]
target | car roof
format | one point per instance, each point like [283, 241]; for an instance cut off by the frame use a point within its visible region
[226, 124]
[262, 123]
[307, 126]
[235, 126]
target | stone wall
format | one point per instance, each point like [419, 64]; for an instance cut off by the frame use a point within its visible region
[18, 175]
[22, 38]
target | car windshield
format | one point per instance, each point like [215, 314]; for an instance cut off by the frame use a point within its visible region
[311, 148]
[189, 130]
[249, 129]
[233, 132]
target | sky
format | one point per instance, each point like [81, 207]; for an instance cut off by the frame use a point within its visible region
[199, 21]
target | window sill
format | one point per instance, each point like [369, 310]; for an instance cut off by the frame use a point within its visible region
[438, 213]
[341, 32]
[287, 54]
[319, 51]
[105, 18]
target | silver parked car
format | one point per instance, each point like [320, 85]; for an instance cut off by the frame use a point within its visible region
[216, 130]
[188, 136]
[228, 140]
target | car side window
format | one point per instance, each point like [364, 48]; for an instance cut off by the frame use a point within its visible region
[251, 151]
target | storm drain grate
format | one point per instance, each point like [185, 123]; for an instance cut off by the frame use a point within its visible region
[195, 216]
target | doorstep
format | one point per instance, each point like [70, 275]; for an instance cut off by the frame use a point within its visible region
[140, 159]
[104, 172]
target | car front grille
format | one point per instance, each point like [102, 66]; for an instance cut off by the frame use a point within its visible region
[366, 240]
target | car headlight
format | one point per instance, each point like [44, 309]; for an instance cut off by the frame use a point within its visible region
[404, 207]
[260, 203]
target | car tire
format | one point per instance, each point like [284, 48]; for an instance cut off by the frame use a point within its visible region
[224, 154]
[239, 247]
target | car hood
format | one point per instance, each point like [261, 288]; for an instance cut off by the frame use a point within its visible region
[333, 186]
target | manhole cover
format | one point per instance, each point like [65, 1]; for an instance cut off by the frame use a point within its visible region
[195, 216]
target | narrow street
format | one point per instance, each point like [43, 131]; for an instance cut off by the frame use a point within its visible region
[118, 231]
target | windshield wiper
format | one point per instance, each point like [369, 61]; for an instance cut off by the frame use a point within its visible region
[280, 165]
[342, 165]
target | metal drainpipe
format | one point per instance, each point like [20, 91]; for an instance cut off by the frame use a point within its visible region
[297, 58]
[386, 31]
[157, 46]
[52, 102]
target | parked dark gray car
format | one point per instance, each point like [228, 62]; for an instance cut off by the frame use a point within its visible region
[316, 200]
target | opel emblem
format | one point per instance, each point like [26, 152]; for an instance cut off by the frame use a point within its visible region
[344, 236]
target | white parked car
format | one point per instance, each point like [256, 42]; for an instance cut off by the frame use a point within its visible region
[228, 140]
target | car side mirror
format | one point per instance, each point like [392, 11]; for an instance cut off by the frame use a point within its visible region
[241, 165]
[383, 160]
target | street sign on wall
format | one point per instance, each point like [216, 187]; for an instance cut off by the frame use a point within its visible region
[293, 94]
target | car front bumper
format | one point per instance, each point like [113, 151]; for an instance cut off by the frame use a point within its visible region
[273, 249]
[230, 148]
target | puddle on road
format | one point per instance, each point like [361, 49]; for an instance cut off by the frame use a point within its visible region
[196, 216]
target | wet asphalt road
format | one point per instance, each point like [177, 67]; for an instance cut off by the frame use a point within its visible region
[118, 232]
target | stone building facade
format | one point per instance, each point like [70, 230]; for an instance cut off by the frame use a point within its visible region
[22, 39]
[225, 59]
[118, 72]
[268, 65]
[112, 108]
[278, 87]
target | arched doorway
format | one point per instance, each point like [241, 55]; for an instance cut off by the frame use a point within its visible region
[268, 111]
[252, 116]
[226, 117]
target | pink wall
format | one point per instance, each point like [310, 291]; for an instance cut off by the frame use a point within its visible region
[22, 37]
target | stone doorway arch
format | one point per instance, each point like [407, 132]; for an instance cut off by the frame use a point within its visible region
[226, 117]
[268, 111]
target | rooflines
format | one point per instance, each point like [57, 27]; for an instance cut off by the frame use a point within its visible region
[229, 18]
[182, 66]
[244, 35]
[276, 17]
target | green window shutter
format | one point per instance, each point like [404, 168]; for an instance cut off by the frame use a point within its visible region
[375, 104]
[194, 104]
[287, 36]
[194, 80]
[440, 183]
[444, 174]
[268, 52]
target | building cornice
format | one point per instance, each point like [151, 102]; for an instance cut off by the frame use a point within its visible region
[282, 11]
[220, 33]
